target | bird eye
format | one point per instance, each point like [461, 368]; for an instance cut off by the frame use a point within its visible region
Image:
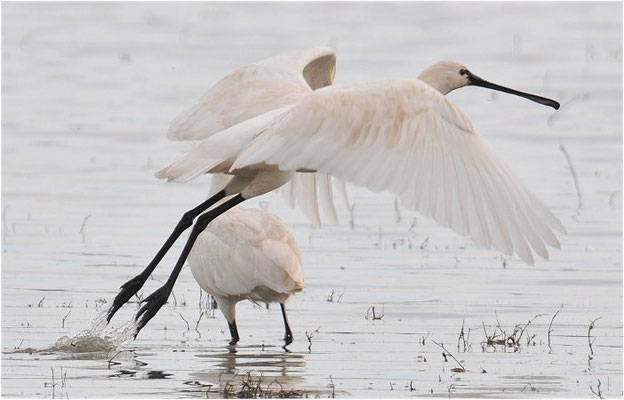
[463, 71]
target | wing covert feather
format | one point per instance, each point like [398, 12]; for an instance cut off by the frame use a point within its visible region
[405, 137]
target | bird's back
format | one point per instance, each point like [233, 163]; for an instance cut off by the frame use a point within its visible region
[247, 253]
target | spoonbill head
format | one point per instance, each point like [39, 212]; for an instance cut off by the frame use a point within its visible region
[447, 75]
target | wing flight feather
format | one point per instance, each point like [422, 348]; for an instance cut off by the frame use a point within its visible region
[405, 137]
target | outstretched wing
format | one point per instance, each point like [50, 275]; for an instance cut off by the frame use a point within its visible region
[214, 155]
[247, 94]
[255, 89]
[403, 136]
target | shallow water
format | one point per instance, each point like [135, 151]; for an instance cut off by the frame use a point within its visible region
[88, 91]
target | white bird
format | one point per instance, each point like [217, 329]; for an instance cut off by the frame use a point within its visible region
[400, 135]
[247, 254]
[246, 93]
[255, 89]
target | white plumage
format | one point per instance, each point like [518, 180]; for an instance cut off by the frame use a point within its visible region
[400, 135]
[263, 89]
[255, 89]
[247, 254]
[227, 118]
[279, 122]
[404, 136]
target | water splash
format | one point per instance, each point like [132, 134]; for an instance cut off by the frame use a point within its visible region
[95, 339]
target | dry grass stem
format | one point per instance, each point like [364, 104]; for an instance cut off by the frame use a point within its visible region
[589, 340]
[188, 327]
[501, 338]
[370, 313]
[82, 228]
[445, 353]
[574, 176]
[550, 327]
[65, 317]
[331, 299]
[252, 386]
[598, 391]
[309, 336]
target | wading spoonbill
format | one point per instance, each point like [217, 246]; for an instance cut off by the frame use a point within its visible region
[247, 254]
[400, 135]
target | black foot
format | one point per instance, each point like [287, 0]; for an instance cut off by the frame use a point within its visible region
[128, 290]
[153, 303]
[288, 339]
[233, 333]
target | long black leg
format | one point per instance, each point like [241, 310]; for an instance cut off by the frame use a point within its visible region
[288, 337]
[131, 287]
[156, 300]
[233, 333]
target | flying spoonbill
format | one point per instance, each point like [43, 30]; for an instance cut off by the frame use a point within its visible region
[249, 92]
[401, 135]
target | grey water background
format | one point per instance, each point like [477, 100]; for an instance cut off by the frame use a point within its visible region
[88, 91]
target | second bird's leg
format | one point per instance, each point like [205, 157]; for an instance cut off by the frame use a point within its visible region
[288, 336]
[156, 300]
[131, 287]
[233, 332]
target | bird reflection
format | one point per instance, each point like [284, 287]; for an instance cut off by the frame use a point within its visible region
[272, 363]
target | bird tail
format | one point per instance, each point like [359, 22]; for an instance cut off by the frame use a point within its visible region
[307, 191]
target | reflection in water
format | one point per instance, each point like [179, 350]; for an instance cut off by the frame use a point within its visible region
[123, 373]
[155, 374]
[134, 371]
[272, 363]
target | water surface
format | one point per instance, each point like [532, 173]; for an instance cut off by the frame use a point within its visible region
[88, 91]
